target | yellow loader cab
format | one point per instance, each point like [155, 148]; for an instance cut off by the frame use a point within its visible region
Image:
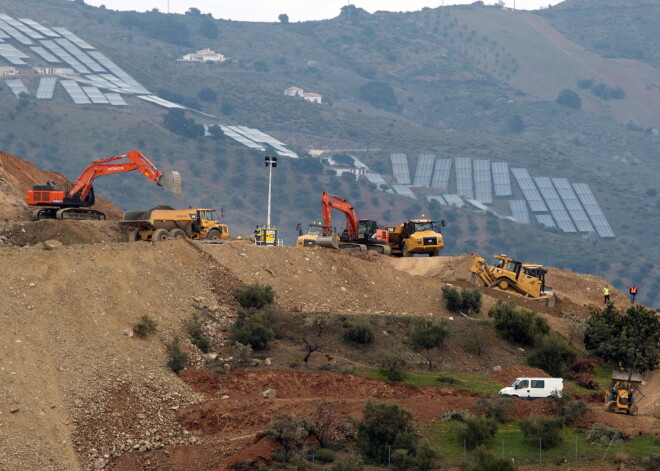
[508, 274]
[164, 222]
[417, 236]
[623, 394]
[308, 239]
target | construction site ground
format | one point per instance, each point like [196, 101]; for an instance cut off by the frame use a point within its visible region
[79, 391]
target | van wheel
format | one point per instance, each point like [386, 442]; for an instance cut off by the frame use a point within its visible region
[178, 234]
[159, 235]
[214, 234]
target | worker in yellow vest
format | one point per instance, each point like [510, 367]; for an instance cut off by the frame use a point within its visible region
[606, 294]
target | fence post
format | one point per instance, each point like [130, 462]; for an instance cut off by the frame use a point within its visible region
[540, 450]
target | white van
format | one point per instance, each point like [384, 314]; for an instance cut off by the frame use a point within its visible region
[533, 388]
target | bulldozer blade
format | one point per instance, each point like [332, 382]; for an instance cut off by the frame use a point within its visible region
[327, 241]
[171, 180]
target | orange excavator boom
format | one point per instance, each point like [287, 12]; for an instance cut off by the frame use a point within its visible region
[330, 202]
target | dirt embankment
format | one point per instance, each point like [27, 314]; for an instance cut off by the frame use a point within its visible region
[76, 391]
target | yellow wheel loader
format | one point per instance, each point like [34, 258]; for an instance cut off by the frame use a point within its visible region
[308, 239]
[510, 275]
[417, 236]
[624, 391]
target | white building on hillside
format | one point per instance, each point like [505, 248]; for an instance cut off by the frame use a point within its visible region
[293, 91]
[205, 55]
[312, 97]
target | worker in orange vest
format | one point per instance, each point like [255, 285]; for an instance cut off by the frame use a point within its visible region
[633, 292]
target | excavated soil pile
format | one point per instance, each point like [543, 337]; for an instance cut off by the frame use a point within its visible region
[18, 176]
[66, 232]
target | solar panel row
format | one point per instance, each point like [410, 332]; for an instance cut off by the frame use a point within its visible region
[483, 188]
[441, 174]
[592, 208]
[404, 190]
[553, 201]
[424, 170]
[14, 33]
[42, 29]
[400, 168]
[572, 204]
[17, 87]
[519, 211]
[23, 28]
[529, 190]
[454, 200]
[12, 55]
[437, 198]
[501, 179]
[46, 88]
[115, 99]
[75, 92]
[464, 177]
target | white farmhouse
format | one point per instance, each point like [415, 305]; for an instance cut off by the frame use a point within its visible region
[312, 97]
[293, 91]
[205, 55]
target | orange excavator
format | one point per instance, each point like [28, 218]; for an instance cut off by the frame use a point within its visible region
[360, 235]
[73, 202]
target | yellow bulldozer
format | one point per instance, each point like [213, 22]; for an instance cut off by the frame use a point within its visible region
[417, 236]
[508, 274]
[624, 393]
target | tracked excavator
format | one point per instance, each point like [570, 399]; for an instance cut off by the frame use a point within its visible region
[361, 235]
[510, 275]
[74, 201]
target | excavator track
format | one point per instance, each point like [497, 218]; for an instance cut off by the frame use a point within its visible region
[80, 214]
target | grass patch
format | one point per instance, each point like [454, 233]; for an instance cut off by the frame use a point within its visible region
[473, 383]
[509, 443]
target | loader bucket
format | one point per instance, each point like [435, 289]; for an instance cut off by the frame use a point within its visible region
[330, 242]
[171, 180]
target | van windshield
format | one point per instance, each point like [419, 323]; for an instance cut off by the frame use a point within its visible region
[513, 385]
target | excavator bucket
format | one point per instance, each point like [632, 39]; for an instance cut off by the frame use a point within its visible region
[627, 375]
[171, 180]
[330, 242]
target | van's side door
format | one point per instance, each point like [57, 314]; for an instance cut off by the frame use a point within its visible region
[523, 388]
[538, 388]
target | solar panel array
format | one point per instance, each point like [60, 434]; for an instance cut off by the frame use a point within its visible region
[12, 55]
[501, 179]
[95, 95]
[231, 133]
[529, 190]
[45, 55]
[519, 211]
[400, 168]
[46, 88]
[464, 177]
[572, 204]
[437, 198]
[75, 92]
[441, 174]
[73, 38]
[17, 86]
[483, 185]
[592, 208]
[403, 190]
[22, 27]
[37, 27]
[553, 201]
[545, 219]
[424, 170]
[454, 200]
[115, 99]
[13, 32]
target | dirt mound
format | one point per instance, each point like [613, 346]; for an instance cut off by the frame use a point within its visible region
[67, 232]
[324, 280]
[18, 176]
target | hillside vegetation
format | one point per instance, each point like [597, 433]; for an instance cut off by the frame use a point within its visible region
[454, 80]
